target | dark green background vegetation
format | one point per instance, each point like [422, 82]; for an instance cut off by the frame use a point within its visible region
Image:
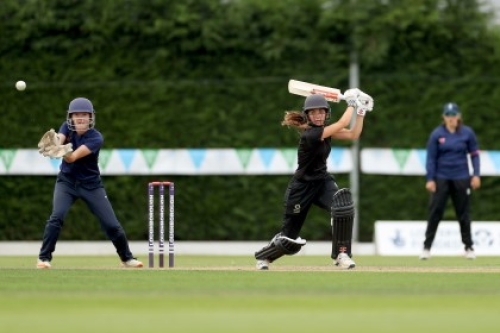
[212, 73]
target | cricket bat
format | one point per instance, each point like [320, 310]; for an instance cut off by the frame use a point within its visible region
[305, 89]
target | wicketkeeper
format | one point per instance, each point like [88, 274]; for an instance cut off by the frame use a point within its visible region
[78, 144]
[312, 184]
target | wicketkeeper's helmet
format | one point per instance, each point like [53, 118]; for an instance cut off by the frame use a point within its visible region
[80, 104]
[316, 101]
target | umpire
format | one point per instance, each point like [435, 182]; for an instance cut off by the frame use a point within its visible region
[448, 175]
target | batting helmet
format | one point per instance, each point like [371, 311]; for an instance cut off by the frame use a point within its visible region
[316, 101]
[80, 104]
[450, 109]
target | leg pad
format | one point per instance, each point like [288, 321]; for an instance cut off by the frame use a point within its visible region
[342, 222]
[280, 246]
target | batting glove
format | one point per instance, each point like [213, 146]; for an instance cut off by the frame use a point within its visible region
[366, 101]
[350, 96]
[364, 106]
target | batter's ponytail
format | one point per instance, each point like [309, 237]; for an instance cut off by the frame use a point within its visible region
[294, 119]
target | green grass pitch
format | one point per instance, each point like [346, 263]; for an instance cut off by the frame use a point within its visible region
[226, 294]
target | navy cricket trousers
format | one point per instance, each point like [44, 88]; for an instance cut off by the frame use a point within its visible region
[66, 192]
[459, 191]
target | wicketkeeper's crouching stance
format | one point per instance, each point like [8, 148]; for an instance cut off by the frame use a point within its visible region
[78, 143]
[312, 184]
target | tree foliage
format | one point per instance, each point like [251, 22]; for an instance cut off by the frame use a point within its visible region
[213, 73]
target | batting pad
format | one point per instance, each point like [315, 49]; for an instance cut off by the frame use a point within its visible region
[342, 221]
[280, 246]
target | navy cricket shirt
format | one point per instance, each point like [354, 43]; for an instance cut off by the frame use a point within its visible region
[85, 168]
[447, 153]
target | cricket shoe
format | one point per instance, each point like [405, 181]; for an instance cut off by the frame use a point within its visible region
[132, 263]
[426, 254]
[43, 264]
[469, 254]
[344, 261]
[262, 265]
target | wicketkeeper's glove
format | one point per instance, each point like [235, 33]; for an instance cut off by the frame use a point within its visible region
[48, 141]
[58, 151]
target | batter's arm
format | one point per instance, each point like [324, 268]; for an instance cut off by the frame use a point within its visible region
[339, 125]
[352, 133]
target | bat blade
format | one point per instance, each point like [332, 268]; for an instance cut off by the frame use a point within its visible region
[305, 89]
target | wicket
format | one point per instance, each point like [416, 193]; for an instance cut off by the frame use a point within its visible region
[161, 219]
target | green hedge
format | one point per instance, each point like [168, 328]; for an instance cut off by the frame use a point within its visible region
[211, 73]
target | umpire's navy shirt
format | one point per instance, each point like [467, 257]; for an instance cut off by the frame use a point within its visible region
[85, 168]
[447, 153]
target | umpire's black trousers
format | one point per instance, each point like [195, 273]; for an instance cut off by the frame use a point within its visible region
[459, 191]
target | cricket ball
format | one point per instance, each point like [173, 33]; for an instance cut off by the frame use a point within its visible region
[20, 85]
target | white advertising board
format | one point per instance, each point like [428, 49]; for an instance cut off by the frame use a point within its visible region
[406, 238]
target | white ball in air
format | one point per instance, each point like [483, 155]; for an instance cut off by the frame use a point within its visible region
[20, 85]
